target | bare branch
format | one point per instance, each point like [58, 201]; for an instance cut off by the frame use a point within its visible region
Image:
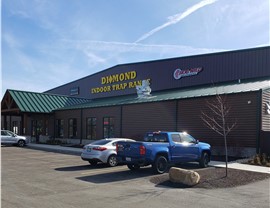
[212, 124]
[229, 129]
[214, 109]
[211, 119]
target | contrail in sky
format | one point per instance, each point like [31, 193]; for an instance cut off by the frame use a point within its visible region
[176, 18]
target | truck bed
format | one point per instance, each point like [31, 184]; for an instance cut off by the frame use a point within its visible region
[138, 151]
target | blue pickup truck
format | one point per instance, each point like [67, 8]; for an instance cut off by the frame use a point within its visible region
[161, 149]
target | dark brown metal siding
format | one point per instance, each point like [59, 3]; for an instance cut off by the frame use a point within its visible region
[141, 118]
[265, 115]
[243, 109]
[217, 68]
[100, 113]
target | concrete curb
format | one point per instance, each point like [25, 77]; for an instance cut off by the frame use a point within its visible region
[55, 148]
[77, 151]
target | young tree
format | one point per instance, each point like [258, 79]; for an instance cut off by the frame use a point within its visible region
[217, 120]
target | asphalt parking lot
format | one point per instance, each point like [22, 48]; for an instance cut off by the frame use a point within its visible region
[36, 178]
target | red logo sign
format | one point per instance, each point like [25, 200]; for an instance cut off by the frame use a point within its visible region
[178, 73]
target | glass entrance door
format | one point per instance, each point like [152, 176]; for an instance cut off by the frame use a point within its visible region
[36, 129]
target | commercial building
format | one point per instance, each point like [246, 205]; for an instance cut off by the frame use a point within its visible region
[106, 104]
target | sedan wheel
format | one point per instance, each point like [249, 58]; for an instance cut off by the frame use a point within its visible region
[112, 161]
[21, 143]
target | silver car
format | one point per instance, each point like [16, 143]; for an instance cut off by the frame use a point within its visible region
[103, 150]
[8, 137]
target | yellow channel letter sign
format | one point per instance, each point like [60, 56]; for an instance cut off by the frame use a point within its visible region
[116, 82]
[118, 77]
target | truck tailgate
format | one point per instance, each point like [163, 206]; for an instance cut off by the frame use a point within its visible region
[128, 149]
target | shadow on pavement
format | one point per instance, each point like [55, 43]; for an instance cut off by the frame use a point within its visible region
[125, 174]
[83, 167]
[120, 175]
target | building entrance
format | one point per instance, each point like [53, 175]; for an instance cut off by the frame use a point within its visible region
[37, 128]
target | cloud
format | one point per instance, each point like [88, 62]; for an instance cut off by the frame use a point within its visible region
[10, 40]
[176, 18]
[93, 59]
[88, 46]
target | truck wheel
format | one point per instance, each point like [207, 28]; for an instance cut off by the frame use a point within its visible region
[160, 165]
[133, 166]
[205, 159]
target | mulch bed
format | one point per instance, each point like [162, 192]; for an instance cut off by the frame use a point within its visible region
[213, 177]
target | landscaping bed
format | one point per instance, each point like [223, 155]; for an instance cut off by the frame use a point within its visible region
[214, 177]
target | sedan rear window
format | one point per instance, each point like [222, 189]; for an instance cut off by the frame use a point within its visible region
[101, 142]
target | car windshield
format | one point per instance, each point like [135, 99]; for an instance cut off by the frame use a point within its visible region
[8, 133]
[101, 142]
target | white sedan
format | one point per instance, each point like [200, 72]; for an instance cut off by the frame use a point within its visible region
[103, 150]
[8, 137]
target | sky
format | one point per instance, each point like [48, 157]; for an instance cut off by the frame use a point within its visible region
[48, 43]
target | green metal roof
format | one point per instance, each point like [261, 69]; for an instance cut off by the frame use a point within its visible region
[42, 102]
[175, 94]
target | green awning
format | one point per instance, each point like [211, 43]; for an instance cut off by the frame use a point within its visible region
[42, 102]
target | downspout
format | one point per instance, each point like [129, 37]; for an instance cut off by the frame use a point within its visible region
[81, 126]
[121, 120]
[22, 124]
[54, 126]
[10, 125]
[176, 116]
[259, 120]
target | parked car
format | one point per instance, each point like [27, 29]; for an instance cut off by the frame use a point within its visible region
[161, 149]
[8, 137]
[103, 150]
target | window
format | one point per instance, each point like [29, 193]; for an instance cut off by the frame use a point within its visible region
[176, 138]
[101, 142]
[91, 128]
[72, 128]
[34, 128]
[4, 133]
[187, 138]
[37, 128]
[7, 133]
[59, 128]
[156, 137]
[108, 127]
[15, 127]
[46, 127]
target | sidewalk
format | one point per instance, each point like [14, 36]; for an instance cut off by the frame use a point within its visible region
[240, 166]
[77, 151]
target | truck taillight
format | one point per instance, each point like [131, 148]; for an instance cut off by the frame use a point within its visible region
[142, 150]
